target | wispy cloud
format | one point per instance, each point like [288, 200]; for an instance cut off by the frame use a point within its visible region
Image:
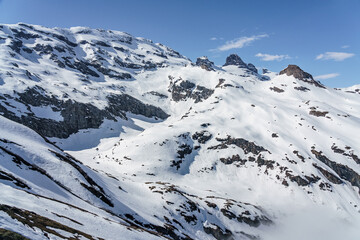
[239, 42]
[345, 46]
[336, 56]
[213, 38]
[327, 76]
[269, 57]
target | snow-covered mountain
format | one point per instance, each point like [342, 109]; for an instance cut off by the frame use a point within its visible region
[107, 136]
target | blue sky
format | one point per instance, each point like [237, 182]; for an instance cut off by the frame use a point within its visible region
[321, 36]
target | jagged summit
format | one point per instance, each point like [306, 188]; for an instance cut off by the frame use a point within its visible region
[297, 72]
[235, 60]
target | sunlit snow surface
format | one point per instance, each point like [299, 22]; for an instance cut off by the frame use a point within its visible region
[132, 160]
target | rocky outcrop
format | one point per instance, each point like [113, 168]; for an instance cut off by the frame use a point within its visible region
[276, 89]
[235, 60]
[218, 233]
[126, 103]
[202, 137]
[205, 63]
[247, 146]
[75, 115]
[182, 90]
[297, 72]
[318, 113]
[343, 171]
[233, 159]
[252, 67]
[331, 177]
[301, 88]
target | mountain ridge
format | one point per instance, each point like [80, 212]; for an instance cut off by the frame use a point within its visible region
[169, 148]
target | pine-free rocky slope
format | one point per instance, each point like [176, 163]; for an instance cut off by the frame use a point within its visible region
[106, 136]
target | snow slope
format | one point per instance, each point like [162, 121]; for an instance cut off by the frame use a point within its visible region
[159, 147]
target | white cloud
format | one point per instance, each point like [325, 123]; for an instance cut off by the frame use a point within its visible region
[336, 56]
[327, 76]
[269, 57]
[213, 38]
[239, 42]
[345, 46]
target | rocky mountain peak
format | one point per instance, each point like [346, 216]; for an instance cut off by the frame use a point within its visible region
[234, 59]
[297, 72]
[205, 63]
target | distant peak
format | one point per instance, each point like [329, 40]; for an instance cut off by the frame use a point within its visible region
[298, 73]
[234, 59]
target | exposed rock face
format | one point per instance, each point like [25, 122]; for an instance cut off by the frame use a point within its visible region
[202, 137]
[343, 171]
[244, 144]
[127, 103]
[251, 67]
[218, 233]
[186, 89]
[205, 63]
[297, 72]
[235, 60]
[75, 115]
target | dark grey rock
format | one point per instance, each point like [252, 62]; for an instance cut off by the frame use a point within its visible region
[126, 103]
[331, 177]
[302, 88]
[205, 63]
[343, 171]
[252, 68]
[65, 40]
[186, 89]
[235, 60]
[43, 49]
[276, 89]
[23, 34]
[202, 136]
[233, 159]
[244, 144]
[76, 115]
[16, 45]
